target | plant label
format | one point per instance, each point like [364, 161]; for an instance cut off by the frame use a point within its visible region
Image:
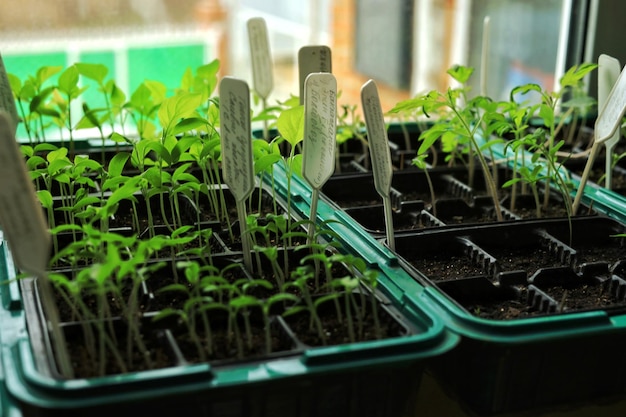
[313, 58]
[320, 124]
[320, 135]
[484, 57]
[21, 215]
[237, 165]
[377, 138]
[612, 112]
[7, 102]
[26, 231]
[608, 71]
[236, 136]
[379, 151]
[262, 69]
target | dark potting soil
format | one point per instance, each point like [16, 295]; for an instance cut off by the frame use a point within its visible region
[156, 356]
[336, 331]
[445, 266]
[583, 297]
[505, 310]
[528, 259]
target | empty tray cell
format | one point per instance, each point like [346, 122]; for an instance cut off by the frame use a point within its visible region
[594, 238]
[521, 249]
[441, 256]
[482, 298]
[352, 190]
[372, 218]
[458, 211]
[414, 184]
[573, 292]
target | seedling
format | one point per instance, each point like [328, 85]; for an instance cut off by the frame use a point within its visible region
[548, 110]
[103, 275]
[464, 121]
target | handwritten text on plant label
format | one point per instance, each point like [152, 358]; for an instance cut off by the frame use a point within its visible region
[320, 118]
[311, 59]
[236, 136]
[262, 75]
[377, 138]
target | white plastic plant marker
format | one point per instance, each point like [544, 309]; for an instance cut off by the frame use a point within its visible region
[607, 122]
[484, 57]
[236, 136]
[610, 117]
[320, 129]
[7, 102]
[262, 66]
[26, 231]
[379, 151]
[312, 58]
[608, 71]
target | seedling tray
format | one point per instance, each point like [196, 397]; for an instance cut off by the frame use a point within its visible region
[377, 378]
[546, 355]
[527, 342]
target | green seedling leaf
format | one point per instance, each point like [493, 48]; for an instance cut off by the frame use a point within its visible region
[321, 300]
[117, 138]
[294, 310]
[44, 73]
[461, 73]
[86, 201]
[96, 72]
[186, 82]
[118, 163]
[282, 297]
[524, 89]
[27, 150]
[547, 114]
[296, 163]
[576, 73]
[158, 90]
[57, 154]
[117, 96]
[265, 162]
[68, 81]
[173, 287]
[290, 124]
[178, 107]
[37, 103]
[16, 84]
[243, 301]
[45, 198]
[205, 80]
[35, 161]
[188, 124]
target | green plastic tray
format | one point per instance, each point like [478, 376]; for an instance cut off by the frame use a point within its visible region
[501, 366]
[378, 378]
